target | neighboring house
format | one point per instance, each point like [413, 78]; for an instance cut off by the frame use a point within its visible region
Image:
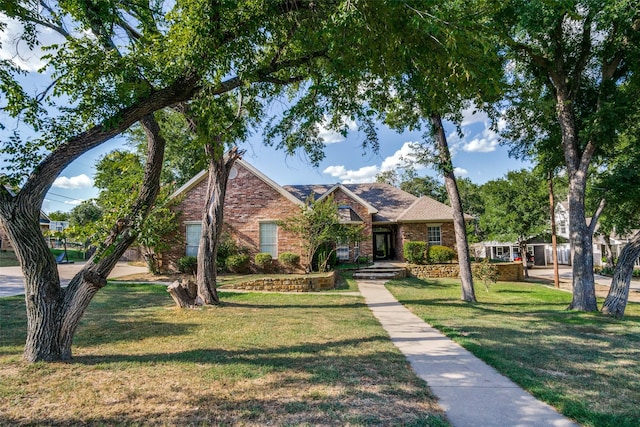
[542, 249]
[254, 205]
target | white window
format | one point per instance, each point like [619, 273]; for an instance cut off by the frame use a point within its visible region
[499, 252]
[193, 233]
[563, 226]
[434, 236]
[269, 238]
[342, 252]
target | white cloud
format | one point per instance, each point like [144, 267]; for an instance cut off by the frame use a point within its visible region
[364, 174]
[471, 116]
[460, 172]
[16, 50]
[75, 182]
[397, 160]
[73, 202]
[400, 158]
[330, 136]
[486, 142]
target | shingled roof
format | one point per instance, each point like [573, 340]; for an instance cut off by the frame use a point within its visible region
[426, 208]
[392, 204]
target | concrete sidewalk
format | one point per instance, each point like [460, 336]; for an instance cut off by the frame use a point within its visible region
[471, 392]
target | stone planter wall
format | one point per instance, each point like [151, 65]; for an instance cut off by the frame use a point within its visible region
[288, 284]
[507, 271]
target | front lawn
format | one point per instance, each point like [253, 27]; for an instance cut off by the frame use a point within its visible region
[8, 259]
[258, 359]
[585, 364]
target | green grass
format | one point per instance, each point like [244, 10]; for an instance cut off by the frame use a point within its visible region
[585, 364]
[8, 259]
[73, 254]
[278, 359]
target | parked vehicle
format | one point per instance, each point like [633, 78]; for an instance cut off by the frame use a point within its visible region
[530, 262]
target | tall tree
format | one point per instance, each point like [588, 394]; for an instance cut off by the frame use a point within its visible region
[580, 53]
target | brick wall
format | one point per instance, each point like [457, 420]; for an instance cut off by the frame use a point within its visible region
[411, 232]
[341, 198]
[248, 202]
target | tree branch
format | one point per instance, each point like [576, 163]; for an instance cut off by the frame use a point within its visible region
[596, 215]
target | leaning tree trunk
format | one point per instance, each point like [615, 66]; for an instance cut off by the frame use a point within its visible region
[213, 219]
[616, 301]
[53, 312]
[462, 245]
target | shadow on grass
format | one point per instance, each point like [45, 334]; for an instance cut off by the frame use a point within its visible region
[309, 355]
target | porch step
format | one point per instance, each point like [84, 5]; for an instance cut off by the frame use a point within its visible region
[380, 273]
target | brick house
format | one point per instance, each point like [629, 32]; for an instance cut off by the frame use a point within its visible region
[254, 204]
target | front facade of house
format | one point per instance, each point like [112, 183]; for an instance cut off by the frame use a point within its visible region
[254, 204]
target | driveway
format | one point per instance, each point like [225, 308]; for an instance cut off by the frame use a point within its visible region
[11, 278]
[566, 275]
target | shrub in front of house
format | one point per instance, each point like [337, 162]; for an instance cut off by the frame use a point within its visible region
[439, 254]
[415, 252]
[226, 247]
[289, 260]
[188, 264]
[238, 263]
[324, 256]
[263, 261]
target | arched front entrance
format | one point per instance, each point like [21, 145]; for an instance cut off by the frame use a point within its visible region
[383, 247]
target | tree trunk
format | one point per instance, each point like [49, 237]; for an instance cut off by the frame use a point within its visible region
[554, 236]
[462, 245]
[522, 247]
[53, 312]
[185, 293]
[580, 235]
[213, 218]
[616, 301]
[584, 292]
[608, 251]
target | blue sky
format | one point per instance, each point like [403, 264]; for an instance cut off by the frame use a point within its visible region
[477, 155]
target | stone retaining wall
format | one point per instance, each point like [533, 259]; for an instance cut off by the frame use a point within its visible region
[289, 284]
[507, 271]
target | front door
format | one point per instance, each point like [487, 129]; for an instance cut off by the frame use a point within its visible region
[382, 245]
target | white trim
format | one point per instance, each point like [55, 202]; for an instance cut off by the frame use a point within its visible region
[190, 184]
[370, 209]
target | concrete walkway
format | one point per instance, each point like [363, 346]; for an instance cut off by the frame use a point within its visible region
[471, 392]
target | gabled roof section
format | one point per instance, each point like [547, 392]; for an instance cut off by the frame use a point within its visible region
[205, 174]
[348, 215]
[428, 209]
[388, 201]
[370, 209]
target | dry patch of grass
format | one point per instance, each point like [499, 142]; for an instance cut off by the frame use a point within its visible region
[258, 359]
[585, 364]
